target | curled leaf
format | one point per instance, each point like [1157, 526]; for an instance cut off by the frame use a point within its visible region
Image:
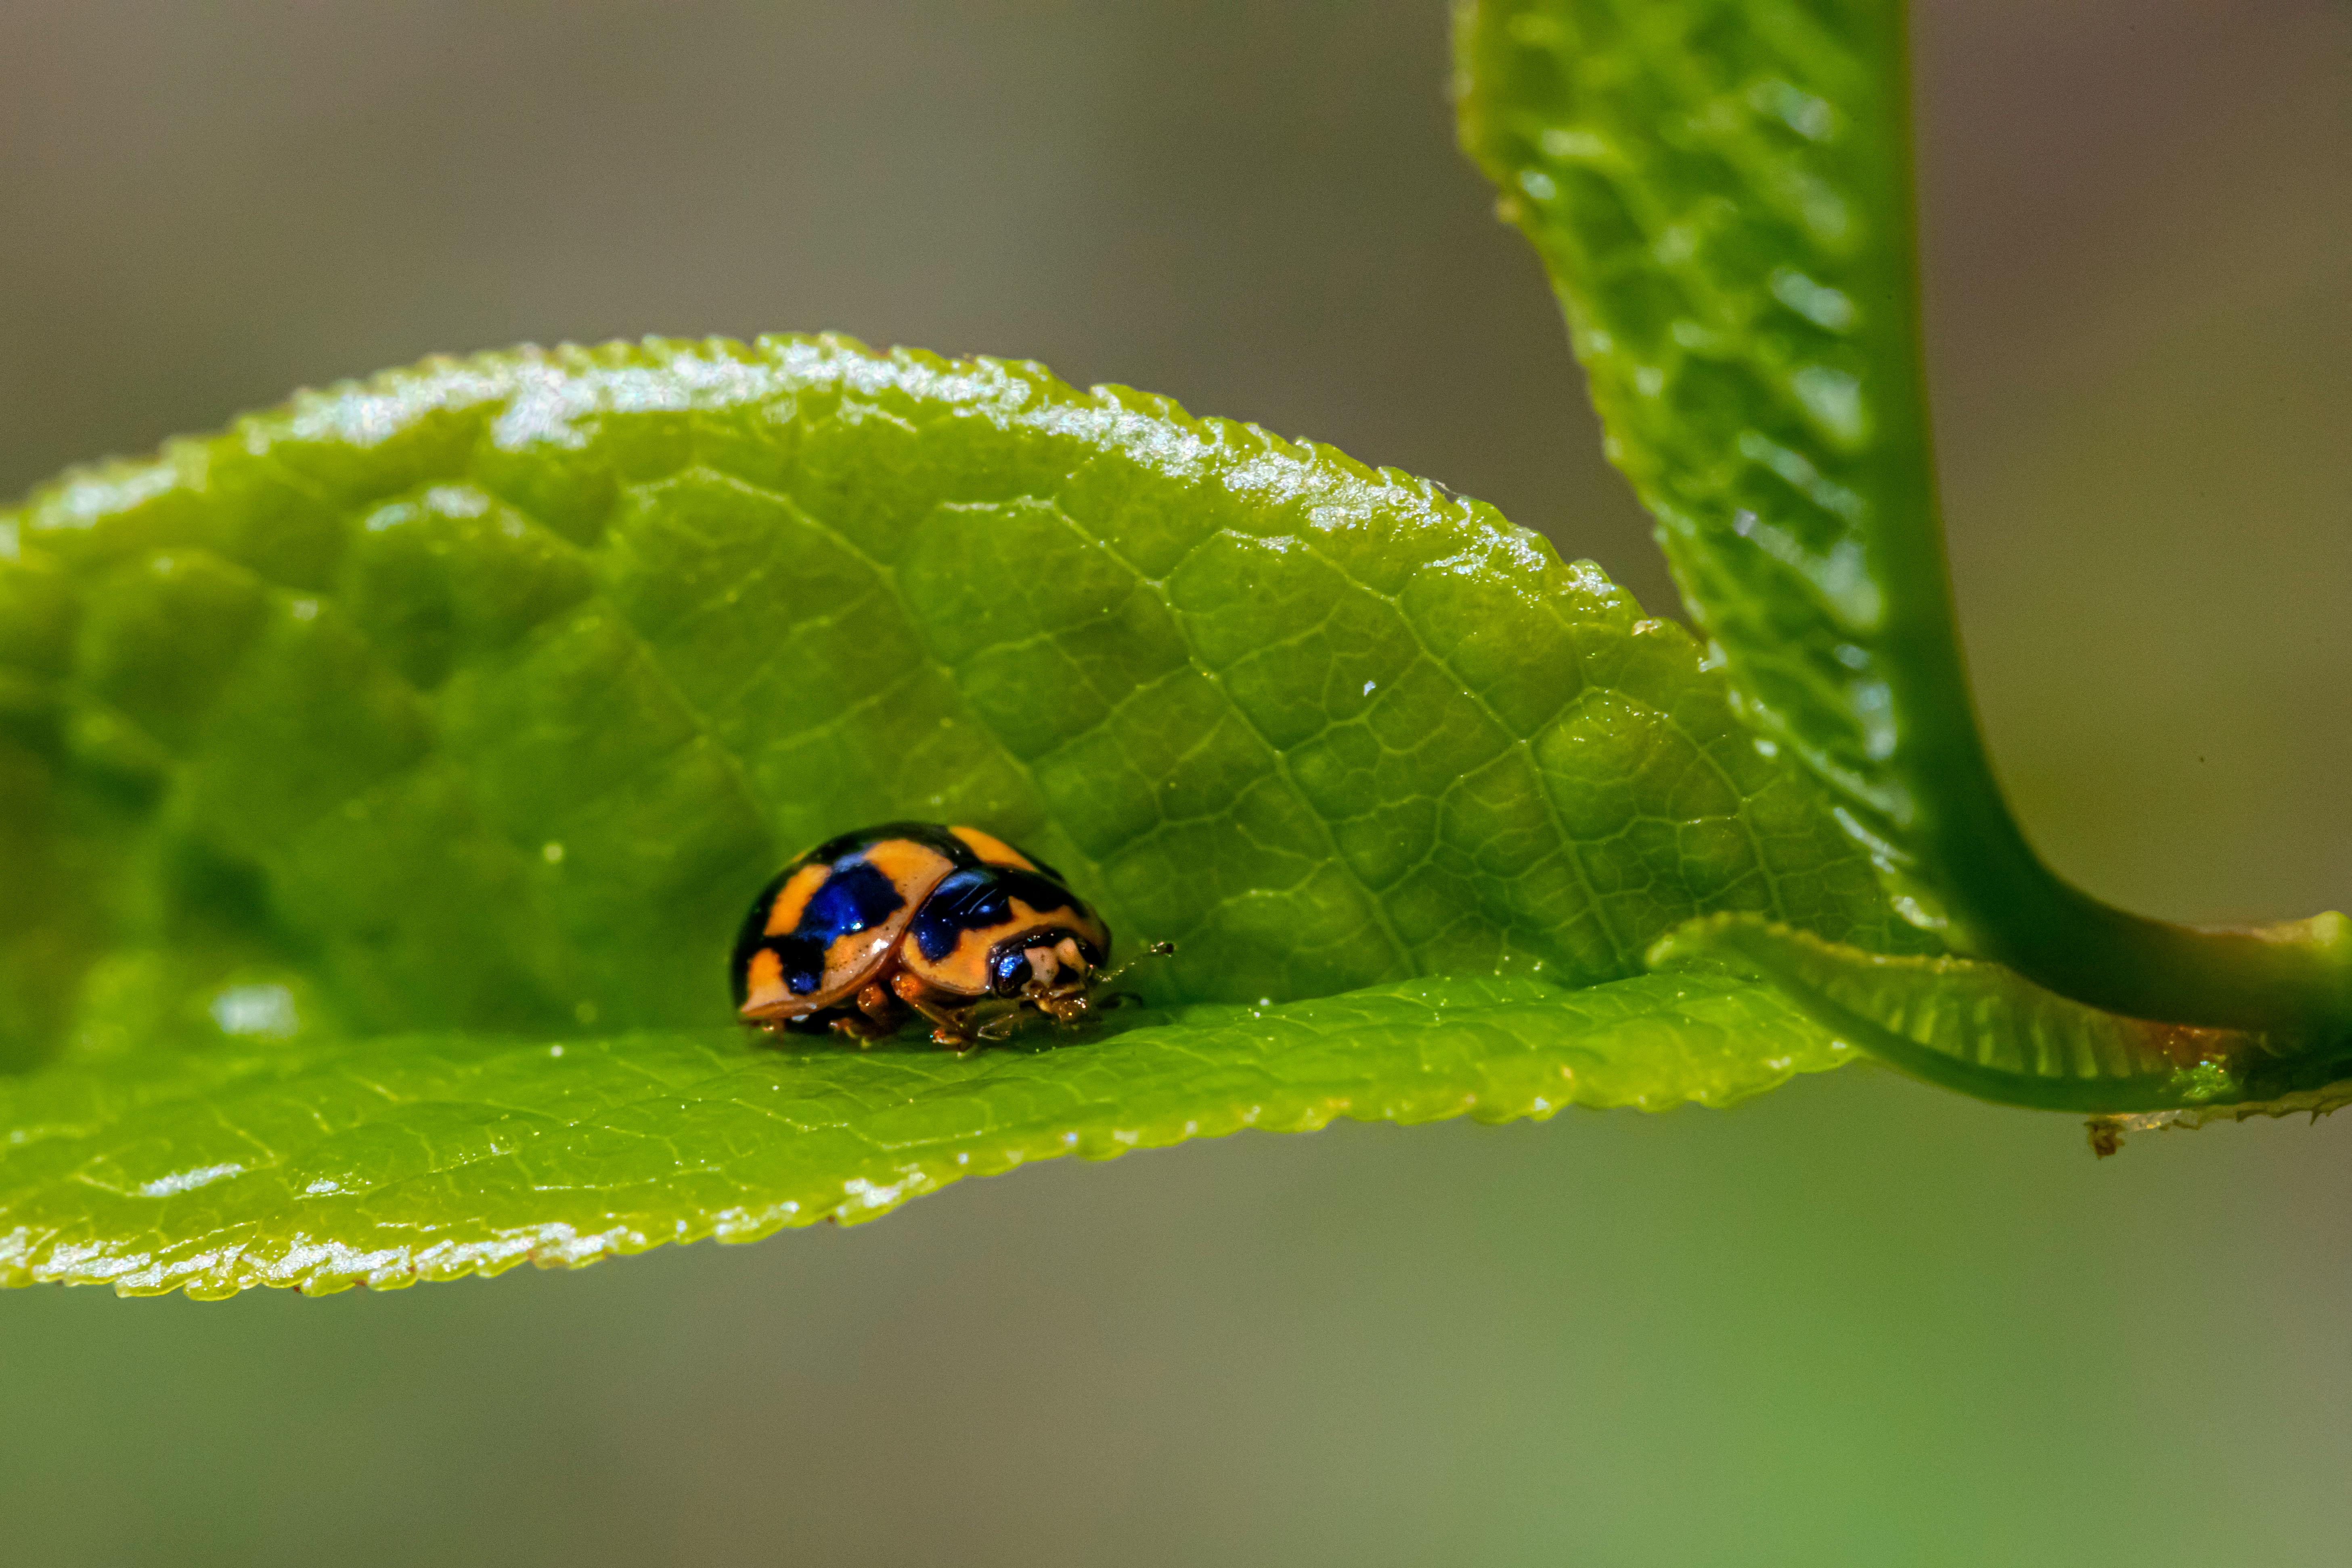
[1984, 1030]
[1721, 191]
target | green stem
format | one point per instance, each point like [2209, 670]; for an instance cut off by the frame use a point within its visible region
[2295, 977]
[1722, 193]
[2011, 908]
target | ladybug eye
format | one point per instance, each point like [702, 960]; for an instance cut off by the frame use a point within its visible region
[1009, 972]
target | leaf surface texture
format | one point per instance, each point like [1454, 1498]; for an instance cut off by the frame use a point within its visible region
[356, 758]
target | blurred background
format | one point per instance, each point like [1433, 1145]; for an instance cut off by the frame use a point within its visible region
[1858, 1321]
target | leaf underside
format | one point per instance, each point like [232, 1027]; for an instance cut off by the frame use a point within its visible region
[1720, 193]
[352, 759]
[1983, 1029]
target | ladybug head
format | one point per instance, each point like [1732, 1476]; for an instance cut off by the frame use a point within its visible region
[1049, 960]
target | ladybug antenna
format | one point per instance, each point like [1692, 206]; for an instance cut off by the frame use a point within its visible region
[1107, 977]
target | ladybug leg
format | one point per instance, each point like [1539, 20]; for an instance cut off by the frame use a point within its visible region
[951, 1025]
[1076, 999]
[952, 1030]
[877, 1015]
[1064, 1006]
[864, 1031]
[999, 1020]
[878, 1004]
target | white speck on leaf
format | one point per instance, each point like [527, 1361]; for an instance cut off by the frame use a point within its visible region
[265, 1011]
[185, 1181]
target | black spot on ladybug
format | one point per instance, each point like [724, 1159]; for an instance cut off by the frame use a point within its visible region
[930, 835]
[854, 897]
[978, 899]
[803, 962]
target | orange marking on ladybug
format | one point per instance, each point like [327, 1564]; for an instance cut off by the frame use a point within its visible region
[765, 986]
[791, 899]
[851, 961]
[964, 969]
[913, 869]
[993, 850]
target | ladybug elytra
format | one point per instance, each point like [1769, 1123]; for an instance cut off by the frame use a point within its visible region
[952, 923]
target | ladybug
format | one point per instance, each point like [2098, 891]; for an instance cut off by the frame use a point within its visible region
[951, 922]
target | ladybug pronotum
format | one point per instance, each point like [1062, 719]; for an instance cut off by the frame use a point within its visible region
[950, 922]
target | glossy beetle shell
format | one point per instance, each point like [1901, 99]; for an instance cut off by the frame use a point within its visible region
[944, 902]
[973, 932]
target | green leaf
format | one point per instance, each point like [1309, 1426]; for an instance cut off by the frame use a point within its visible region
[388, 1160]
[444, 718]
[1721, 191]
[1981, 1028]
